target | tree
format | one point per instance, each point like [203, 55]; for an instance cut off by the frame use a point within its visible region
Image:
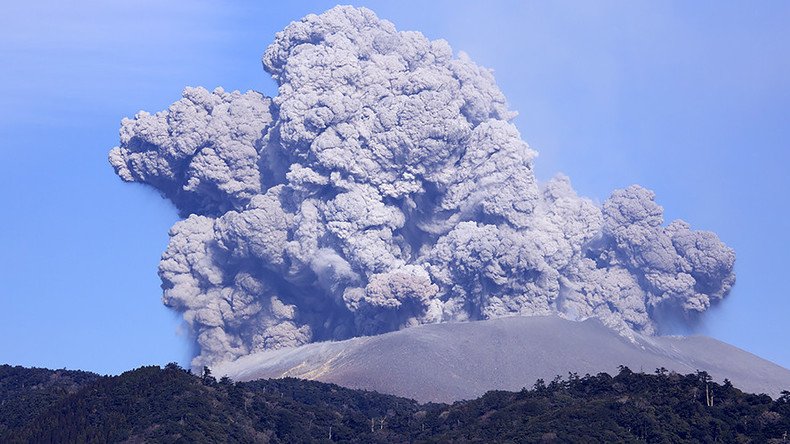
[173, 366]
[206, 378]
[706, 379]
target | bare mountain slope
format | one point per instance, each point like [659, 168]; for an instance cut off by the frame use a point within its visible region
[448, 362]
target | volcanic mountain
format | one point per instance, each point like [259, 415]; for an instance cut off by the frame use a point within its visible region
[454, 361]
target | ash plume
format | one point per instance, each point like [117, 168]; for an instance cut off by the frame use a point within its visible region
[384, 187]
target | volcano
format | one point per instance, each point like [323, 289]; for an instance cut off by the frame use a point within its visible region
[456, 361]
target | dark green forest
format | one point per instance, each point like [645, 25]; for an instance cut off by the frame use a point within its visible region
[153, 404]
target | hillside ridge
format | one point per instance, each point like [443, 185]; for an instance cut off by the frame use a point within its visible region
[152, 404]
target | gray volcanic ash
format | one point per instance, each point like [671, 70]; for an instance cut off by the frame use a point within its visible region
[385, 187]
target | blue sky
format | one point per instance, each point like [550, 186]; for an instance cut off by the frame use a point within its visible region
[690, 99]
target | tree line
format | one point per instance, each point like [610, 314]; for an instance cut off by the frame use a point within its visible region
[171, 404]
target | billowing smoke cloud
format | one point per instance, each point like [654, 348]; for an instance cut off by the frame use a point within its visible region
[385, 187]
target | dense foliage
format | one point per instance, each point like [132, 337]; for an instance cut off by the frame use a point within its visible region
[27, 392]
[173, 405]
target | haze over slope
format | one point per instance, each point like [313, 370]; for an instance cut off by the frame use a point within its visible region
[385, 187]
[454, 361]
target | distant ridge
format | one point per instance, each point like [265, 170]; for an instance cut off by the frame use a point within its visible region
[449, 362]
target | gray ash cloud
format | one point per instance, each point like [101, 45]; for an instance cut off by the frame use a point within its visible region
[384, 187]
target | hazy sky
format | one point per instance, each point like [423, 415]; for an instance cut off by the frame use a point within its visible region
[690, 99]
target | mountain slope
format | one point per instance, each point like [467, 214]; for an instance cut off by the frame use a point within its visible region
[449, 362]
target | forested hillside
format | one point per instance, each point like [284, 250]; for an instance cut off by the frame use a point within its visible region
[173, 405]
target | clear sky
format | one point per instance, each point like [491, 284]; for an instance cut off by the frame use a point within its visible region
[690, 99]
